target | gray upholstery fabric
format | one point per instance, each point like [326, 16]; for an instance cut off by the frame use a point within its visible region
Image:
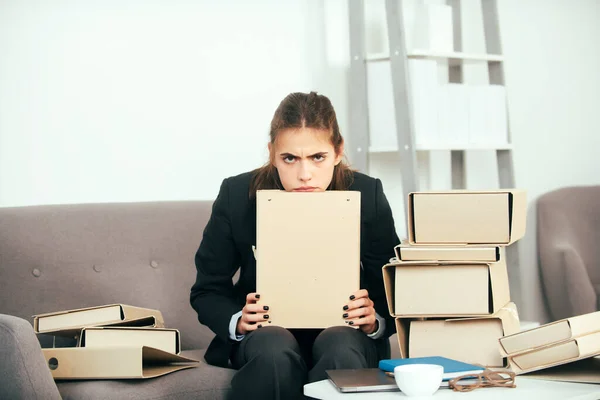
[568, 237]
[23, 370]
[202, 382]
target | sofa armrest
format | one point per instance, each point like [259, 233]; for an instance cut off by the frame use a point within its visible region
[581, 295]
[23, 370]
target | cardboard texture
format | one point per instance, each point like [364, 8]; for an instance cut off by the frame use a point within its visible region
[69, 322]
[558, 354]
[307, 255]
[466, 217]
[445, 289]
[407, 252]
[159, 338]
[550, 333]
[139, 362]
[471, 340]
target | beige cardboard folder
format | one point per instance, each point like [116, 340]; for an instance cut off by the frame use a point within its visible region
[70, 322]
[551, 333]
[466, 217]
[307, 255]
[445, 289]
[113, 362]
[471, 340]
[558, 354]
[407, 252]
[159, 338]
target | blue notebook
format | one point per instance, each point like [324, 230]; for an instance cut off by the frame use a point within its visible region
[452, 368]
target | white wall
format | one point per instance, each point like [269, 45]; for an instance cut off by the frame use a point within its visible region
[146, 100]
[149, 100]
[552, 61]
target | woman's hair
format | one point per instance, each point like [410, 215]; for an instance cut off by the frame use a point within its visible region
[303, 110]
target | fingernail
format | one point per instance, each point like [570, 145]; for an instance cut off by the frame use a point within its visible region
[269, 321]
[345, 315]
[260, 325]
[266, 308]
[257, 296]
[352, 297]
[345, 308]
[266, 316]
[351, 323]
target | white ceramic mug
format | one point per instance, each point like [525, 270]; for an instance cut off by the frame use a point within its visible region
[419, 379]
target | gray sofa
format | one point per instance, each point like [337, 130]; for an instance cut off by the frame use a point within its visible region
[568, 237]
[70, 256]
[62, 257]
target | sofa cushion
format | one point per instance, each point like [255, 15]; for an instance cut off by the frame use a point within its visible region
[202, 382]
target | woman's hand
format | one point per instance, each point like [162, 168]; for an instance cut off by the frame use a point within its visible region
[360, 312]
[253, 315]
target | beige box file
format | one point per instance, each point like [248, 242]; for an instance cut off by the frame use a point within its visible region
[159, 338]
[139, 362]
[70, 322]
[445, 289]
[466, 217]
[551, 333]
[558, 354]
[471, 340]
[307, 255]
[407, 252]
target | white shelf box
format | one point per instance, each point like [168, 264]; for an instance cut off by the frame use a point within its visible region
[433, 28]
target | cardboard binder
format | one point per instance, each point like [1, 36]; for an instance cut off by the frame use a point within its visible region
[139, 362]
[70, 322]
[445, 289]
[466, 217]
[471, 340]
[406, 252]
[307, 255]
[558, 354]
[551, 333]
[159, 338]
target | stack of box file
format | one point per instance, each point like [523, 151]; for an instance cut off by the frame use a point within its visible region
[448, 286]
[114, 341]
[564, 343]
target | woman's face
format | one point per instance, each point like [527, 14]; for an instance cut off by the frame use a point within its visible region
[304, 159]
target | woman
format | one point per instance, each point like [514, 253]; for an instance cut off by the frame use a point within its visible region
[306, 154]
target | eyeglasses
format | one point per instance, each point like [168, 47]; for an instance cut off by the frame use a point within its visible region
[487, 378]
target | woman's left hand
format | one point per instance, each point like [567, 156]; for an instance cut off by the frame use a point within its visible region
[360, 311]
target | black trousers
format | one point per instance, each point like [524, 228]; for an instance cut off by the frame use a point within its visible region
[275, 363]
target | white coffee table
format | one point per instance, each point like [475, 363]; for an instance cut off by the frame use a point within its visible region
[527, 389]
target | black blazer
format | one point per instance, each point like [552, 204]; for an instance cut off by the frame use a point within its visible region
[227, 245]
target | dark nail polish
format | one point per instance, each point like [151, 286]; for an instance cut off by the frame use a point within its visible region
[257, 296]
[266, 316]
[269, 321]
[345, 315]
[260, 325]
[266, 308]
[351, 322]
[345, 308]
[352, 297]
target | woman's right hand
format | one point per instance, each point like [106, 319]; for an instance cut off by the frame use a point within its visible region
[254, 315]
